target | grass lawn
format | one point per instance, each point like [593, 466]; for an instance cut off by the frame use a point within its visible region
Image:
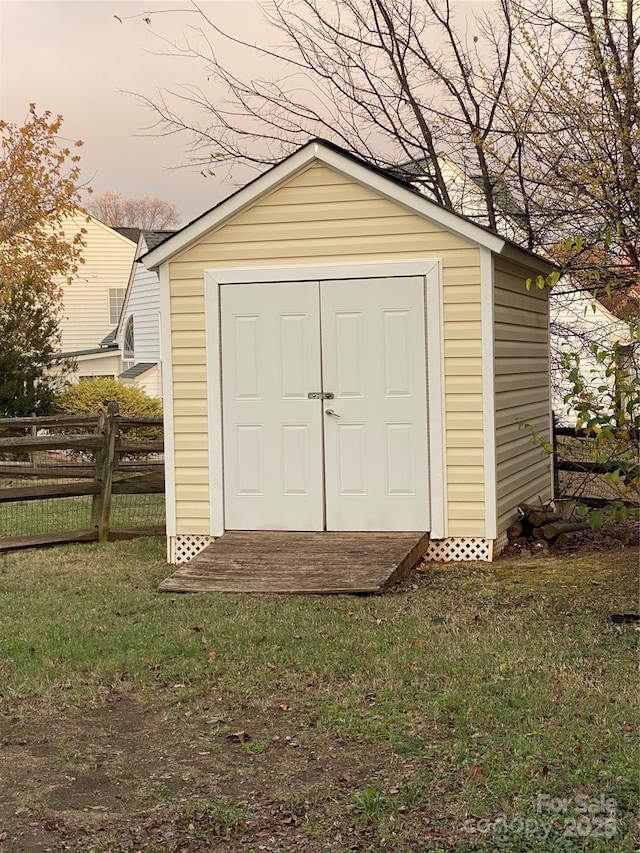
[479, 708]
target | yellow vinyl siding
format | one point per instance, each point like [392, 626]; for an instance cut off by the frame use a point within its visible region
[320, 216]
[521, 351]
[108, 257]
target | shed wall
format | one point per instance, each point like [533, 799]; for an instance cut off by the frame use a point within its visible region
[321, 216]
[522, 394]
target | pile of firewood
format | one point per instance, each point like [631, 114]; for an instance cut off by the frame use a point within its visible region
[541, 526]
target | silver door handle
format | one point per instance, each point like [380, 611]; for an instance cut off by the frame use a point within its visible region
[332, 413]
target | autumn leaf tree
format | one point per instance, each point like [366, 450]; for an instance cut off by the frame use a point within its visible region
[144, 212]
[39, 189]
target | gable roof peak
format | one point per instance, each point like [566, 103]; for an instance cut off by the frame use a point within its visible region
[378, 180]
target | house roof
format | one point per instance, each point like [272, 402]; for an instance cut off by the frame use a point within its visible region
[137, 369]
[624, 304]
[79, 353]
[109, 340]
[154, 238]
[130, 233]
[391, 186]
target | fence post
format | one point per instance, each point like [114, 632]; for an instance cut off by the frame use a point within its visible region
[105, 464]
[33, 432]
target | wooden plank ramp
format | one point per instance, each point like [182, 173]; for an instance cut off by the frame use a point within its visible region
[303, 563]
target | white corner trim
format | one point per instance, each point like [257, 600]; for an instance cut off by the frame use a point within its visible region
[214, 403]
[437, 405]
[167, 402]
[488, 395]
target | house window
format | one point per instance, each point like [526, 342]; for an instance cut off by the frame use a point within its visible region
[128, 347]
[116, 299]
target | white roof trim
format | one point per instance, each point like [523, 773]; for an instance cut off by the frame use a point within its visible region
[363, 174]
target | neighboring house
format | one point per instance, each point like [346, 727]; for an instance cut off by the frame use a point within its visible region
[467, 195]
[93, 301]
[138, 333]
[577, 322]
[327, 277]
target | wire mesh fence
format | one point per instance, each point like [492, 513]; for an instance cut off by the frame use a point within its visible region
[581, 469]
[91, 485]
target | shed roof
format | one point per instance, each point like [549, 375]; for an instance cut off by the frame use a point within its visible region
[389, 185]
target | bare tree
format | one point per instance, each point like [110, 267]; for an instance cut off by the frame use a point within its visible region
[144, 212]
[535, 100]
[575, 142]
[363, 74]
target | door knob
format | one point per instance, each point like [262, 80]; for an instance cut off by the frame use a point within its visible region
[332, 413]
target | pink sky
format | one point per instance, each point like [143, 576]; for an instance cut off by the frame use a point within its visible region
[74, 57]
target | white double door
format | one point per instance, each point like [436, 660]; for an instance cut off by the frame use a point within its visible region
[356, 461]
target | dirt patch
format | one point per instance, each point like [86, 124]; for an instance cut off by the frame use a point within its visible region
[123, 777]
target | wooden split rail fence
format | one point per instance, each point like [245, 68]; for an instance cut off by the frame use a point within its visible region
[573, 468]
[95, 454]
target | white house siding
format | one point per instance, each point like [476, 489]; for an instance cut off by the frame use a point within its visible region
[320, 216]
[105, 364]
[143, 304]
[521, 327]
[578, 321]
[108, 257]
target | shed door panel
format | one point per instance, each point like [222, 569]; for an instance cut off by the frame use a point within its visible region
[354, 462]
[373, 356]
[272, 431]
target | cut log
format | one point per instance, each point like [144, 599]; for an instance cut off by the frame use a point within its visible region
[515, 530]
[550, 531]
[537, 533]
[538, 517]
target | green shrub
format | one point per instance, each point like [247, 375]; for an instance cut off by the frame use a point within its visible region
[92, 396]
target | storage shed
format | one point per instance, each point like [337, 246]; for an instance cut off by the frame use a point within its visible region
[340, 353]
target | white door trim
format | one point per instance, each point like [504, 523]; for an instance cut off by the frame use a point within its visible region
[436, 404]
[321, 272]
[429, 269]
[214, 402]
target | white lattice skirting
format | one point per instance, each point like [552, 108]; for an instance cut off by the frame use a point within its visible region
[465, 549]
[185, 546]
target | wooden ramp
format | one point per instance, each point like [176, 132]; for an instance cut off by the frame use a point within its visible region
[268, 561]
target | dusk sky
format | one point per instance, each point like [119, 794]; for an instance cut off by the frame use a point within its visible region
[74, 57]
